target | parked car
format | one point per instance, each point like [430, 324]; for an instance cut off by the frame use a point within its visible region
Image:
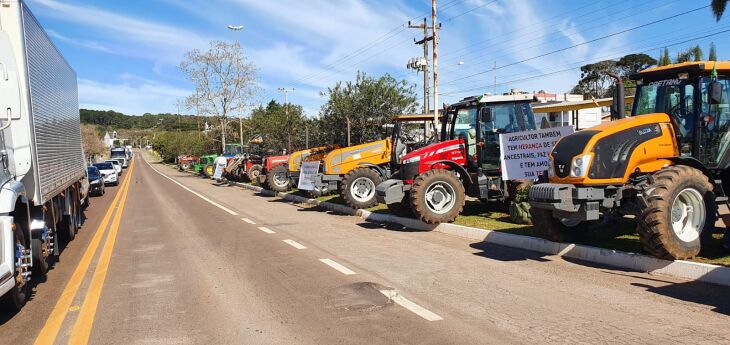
[96, 181]
[108, 173]
[117, 165]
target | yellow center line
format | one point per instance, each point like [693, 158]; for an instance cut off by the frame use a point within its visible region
[48, 333]
[82, 329]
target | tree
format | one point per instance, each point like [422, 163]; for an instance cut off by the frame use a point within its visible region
[364, 105]
[225, 80]
[594, 80]
[173, 144]
[713, 52]
[633, 63]
[274, 127]
[91, 141]
[718, 8]
[665, 59]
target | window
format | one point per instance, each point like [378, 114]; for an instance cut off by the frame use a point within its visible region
[715, 138]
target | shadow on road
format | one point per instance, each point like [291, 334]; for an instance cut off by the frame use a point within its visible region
[715, 296]
[501, 253]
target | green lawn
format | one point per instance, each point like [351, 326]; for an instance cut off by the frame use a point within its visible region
[619, 236]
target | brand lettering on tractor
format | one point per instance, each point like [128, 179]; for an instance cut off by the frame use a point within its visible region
[667, 82]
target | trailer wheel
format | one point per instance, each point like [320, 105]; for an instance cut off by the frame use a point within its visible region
[358, 188]
[679, 215]
[554, 229]
[278, 179]
[253, 172]
[437, 196]
[15, 299]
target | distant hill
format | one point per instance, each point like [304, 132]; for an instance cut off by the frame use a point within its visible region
[114, 120]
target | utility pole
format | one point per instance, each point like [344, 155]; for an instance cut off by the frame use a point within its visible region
[435, 62]
[286, 112]
[306, 136]
[422, 65]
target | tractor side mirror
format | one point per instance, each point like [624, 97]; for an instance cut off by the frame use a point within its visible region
[715, 92]
[486, 114]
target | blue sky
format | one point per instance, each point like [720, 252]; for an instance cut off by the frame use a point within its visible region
[126, 52]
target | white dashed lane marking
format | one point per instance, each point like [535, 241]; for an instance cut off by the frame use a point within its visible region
[266, 230]
[338, 267]
[248, 221]
[412, 307]
[295, 244]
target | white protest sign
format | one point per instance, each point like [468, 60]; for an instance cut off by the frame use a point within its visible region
[218, 171]
[306, 175]
[525, 155]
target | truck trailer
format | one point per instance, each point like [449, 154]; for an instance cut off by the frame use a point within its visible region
[41, 159]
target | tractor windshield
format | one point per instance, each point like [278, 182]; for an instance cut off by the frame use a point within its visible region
[675, 97]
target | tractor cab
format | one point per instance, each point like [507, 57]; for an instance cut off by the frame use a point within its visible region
[478, 122]
[232, 150]
[685, 92]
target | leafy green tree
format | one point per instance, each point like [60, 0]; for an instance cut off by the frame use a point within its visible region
[633, 63]
[170, 145]
[365, 104]
[713, 52]
[275, 127]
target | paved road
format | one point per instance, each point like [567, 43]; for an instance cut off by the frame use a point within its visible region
[193, 262]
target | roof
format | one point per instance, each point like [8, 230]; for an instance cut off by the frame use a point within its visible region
[577, 105]
[692, 65]
[525, 97]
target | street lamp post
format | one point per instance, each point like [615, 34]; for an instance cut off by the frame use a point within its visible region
[235, 29]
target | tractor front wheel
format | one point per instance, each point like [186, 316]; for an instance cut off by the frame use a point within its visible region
[437, 196]
[358, 188]
[253, 172]
[277, 179]
[679, 215]
[209, 170]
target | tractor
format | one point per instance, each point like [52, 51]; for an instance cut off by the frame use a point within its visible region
[205, 165]
[433, 181]
[356, 170]
[268, 177]
[667, 165]
[281, 178]
[186, 162]
[244, 166]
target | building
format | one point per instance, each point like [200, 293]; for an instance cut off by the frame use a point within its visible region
[564, 109]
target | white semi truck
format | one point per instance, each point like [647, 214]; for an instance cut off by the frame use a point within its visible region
[41, 159]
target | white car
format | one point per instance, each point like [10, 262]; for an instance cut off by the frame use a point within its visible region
[108, 173]
[117, 165]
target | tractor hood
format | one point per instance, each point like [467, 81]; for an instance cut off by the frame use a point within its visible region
[608, 153]
[437, 151]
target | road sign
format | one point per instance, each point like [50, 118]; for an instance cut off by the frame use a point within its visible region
[525, 155]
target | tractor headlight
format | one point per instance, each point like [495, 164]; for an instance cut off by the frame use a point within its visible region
[411, 160]
[580, 165]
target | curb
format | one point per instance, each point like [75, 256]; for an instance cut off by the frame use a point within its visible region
[624, 260]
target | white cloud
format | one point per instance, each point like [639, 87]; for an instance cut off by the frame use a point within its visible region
[131, 36]
[134, 96]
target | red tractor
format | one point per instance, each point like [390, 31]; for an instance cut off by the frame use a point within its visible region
[432, 182]
[186, 162]
[244, 166]
[269, 175]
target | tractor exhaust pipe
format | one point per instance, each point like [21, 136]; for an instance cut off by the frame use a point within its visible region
[618, 110]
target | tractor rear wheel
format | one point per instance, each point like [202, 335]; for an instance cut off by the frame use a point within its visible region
[185, 166]
[253, 172]
[437, 196]
[277, 179]
[680, 213]
[555, 229]
[358, 188]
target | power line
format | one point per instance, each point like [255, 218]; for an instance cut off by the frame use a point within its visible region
[693, 39]
[579, 44]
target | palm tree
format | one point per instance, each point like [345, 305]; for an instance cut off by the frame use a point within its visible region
[718, 8]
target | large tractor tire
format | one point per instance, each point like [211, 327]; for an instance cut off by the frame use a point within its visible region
[209, 170]
[15, 299]
[277, 179]
[680, 213]
[437, 196]
[253, 172]
[185, 166]
[358, 188]
[554, 229]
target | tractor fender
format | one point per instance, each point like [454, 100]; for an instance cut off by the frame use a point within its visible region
[456, 167]
[374, 167]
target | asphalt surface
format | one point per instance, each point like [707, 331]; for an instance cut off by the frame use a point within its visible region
[208, 263]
